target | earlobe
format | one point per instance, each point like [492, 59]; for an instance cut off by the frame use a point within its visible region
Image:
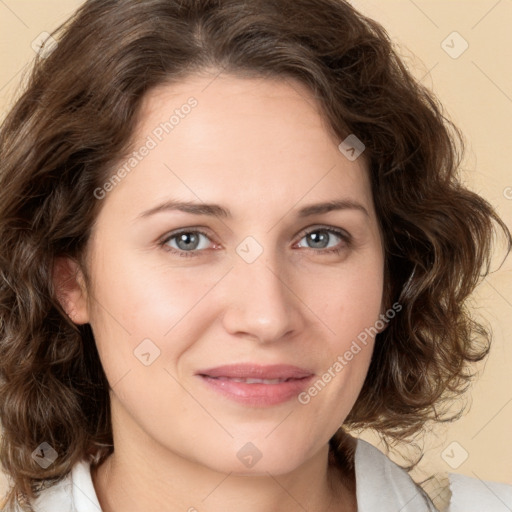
[70, 289]
[382, 323]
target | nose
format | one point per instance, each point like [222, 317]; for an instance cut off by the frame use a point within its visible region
[260, 302]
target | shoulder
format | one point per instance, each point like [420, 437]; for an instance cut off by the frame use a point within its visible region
[383, 485]
[58, 496]
[73, 493]
[475, 495]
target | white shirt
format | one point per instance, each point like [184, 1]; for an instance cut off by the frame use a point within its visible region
[381, 486]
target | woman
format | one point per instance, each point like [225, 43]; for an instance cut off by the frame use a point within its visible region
[232, 231]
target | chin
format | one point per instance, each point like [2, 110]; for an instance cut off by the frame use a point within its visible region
[253, 459]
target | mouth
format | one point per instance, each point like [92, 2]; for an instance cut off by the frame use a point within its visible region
[281, 372]
[257, 385]
[253, 381]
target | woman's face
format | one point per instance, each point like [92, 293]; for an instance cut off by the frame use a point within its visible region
[264, 278]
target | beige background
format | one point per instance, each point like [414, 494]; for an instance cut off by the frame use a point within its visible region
[476, 89]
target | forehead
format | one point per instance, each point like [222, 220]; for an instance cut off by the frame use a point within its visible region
[249, 141]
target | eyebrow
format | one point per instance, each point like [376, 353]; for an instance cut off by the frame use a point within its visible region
[215, 210]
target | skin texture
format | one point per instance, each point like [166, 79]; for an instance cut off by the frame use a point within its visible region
[260, 148]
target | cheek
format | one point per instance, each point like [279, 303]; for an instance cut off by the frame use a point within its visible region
[136, 302]
[147, 297]
[349, 309]
[347, 300]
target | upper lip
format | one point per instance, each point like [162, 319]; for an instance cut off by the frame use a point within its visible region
[255, 371]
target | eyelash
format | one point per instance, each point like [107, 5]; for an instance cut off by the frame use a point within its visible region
[187, 254]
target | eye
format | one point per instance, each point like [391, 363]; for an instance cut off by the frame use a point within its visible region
[186, 242]
[190, 242]
[320, 237]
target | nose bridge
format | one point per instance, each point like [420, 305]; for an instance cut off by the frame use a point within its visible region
[259, 302]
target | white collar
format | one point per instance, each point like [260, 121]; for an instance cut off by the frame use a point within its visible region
[381, 485]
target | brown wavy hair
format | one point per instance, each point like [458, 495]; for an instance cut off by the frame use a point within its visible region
[74, 121]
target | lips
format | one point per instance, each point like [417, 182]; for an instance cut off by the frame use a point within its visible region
[256, 385]
[281, 372]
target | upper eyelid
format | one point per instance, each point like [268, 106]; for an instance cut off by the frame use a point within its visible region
[316, 227]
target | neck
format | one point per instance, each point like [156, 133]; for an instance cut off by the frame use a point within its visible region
[121, 489]
[141, 472]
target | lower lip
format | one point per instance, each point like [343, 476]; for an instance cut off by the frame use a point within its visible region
[258, 394]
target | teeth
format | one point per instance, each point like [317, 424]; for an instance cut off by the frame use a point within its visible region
[254, 381]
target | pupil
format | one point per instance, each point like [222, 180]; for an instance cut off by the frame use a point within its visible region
[189, 240]
[318, 239]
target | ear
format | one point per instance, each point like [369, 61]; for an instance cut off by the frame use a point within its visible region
[383, 318]
[69, 284]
